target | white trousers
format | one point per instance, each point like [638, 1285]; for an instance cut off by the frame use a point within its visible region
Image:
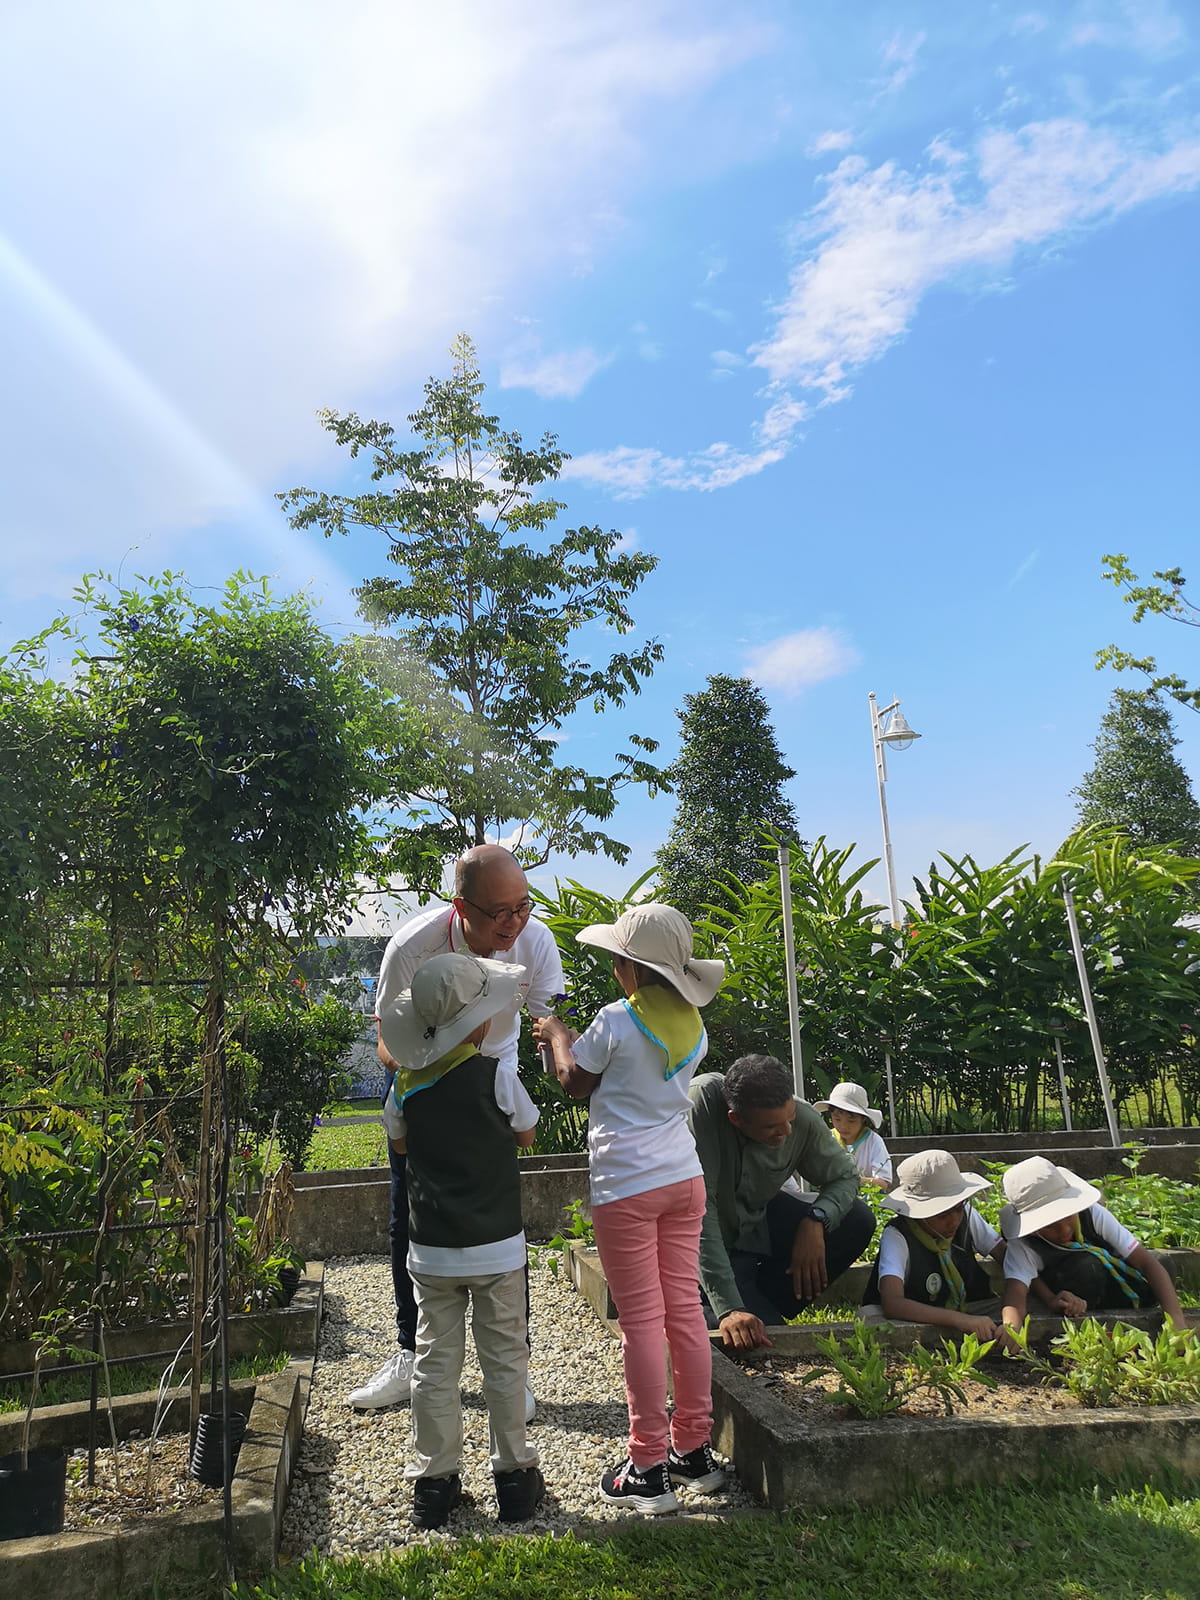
[498, 1326]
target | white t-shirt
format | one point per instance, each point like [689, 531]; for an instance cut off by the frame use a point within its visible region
[638, 1133]
[1021, 1262]
[870, 1156]
[893, 1246]
[434, 932]
[476, 1260]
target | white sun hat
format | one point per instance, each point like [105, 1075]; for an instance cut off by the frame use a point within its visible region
[931, 1183]
[450, 996]
[850, 1097]
[659, 937]
[1039, 1193]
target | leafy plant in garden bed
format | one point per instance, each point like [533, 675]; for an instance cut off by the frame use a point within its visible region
[875, 1382]
[579, 1230]
[1104, 1364]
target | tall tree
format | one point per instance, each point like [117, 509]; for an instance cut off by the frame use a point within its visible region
[1163, 599]
[1138, 783]
[729, 776]
[485, 612]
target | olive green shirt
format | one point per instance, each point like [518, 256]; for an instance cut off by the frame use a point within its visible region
[741, 1176]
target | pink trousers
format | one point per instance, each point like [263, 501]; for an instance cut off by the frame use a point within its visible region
[649, 1247]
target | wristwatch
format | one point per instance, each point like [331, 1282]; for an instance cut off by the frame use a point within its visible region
[819, 1214]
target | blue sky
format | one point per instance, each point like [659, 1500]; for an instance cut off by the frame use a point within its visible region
[877, 324]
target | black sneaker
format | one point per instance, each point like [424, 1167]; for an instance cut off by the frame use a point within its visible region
[434, 1499]
[648, 1491]
[519, 1493]
[697, 1470]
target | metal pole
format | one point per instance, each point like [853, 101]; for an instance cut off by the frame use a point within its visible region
[789, 954]
[1114, 1131]
[891, 1094]
[1062, 1085]
[881, 781]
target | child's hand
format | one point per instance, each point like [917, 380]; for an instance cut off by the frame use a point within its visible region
[981, 1327]
[1068, 1305]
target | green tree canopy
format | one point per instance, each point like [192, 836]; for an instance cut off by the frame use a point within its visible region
[729, 777]
[487, 611]
[1163, 599]
[1138, 783]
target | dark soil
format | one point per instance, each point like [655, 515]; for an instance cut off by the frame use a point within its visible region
[1018, 1388]
[133, 1483]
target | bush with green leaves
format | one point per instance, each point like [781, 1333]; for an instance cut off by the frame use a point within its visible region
[295, 1049]
[877, 1382]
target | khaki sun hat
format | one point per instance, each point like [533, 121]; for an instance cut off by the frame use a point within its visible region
[931, 1183]
[1039, 1193]
[850, 1097]
[659, 937]
[450, 996]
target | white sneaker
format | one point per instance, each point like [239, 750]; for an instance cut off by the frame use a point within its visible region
[530, 1404]
[391, 1384]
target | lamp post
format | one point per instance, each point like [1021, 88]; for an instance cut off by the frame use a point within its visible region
[896, 732]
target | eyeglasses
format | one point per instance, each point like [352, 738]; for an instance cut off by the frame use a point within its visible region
[516, 913]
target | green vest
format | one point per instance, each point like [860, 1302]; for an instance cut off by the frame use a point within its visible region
[924, 1280]
[464, 1183]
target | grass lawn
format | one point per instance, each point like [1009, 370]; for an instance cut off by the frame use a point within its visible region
[995, 1544]
[359, 1145]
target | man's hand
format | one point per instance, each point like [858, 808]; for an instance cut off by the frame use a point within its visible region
[742, 1330]
[809, 1277]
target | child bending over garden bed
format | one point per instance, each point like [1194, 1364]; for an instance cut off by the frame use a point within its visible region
[1072, 1251]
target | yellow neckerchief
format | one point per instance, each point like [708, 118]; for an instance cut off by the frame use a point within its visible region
[670, 1022]
[406, 1082]
[1125, 1275]
[941, 1249]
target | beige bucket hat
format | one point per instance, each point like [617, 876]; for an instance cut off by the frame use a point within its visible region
[850, 1097]
[1039, 1193]
[659, 937]
[931, 1183]
[450, 996]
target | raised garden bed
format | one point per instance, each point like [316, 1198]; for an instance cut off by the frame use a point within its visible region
[292, 1327]
[790, 1456]
[136, 1556]
[809, 1455]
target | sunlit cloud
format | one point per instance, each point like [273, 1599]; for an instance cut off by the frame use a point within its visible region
[796, 661]
[560, 375]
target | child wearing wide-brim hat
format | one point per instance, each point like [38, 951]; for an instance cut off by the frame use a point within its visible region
[460, 1119]
[1071, 1251]
[928, 1269]
[647, 1192]
[854, 1123]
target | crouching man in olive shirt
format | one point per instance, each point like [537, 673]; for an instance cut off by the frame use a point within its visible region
[765, 1254]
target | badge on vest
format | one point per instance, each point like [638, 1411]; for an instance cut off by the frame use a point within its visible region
[933, 1283]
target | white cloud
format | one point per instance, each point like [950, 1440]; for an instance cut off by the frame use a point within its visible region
[265, 209]
[629, 473]
[1149, 27]
[899, 57]
[832, 139]
[560, 376]
[885, 236]
[798, 660]
[1024, 569]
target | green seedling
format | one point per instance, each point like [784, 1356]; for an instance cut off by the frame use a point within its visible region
[877, 1384]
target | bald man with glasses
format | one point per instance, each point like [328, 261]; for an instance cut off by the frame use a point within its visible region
[489, 916]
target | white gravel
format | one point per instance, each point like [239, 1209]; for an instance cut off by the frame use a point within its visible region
[348, 1488]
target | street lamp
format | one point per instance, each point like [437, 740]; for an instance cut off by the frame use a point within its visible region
[896, 732]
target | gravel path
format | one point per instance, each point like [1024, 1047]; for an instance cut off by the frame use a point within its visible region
[348, 1488]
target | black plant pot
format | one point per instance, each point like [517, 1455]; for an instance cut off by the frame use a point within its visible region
[33, 1498]
[208, 1452]
[289, 1282]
